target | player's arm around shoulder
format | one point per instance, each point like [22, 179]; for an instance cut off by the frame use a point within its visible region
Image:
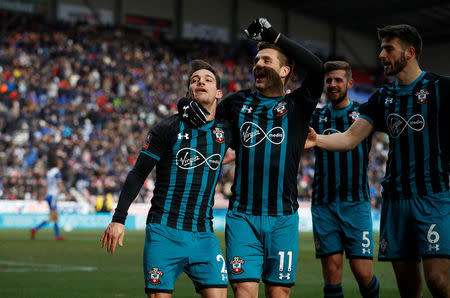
[113, 234]
[226, 107]
[341, 142]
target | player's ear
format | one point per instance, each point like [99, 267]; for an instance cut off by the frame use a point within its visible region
[410, 52]
[350, 83]
[285, 70]
[219, 94]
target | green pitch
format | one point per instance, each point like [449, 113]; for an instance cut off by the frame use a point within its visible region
[79, 267]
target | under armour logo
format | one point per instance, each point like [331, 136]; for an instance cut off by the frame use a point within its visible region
[433, 247]
[185, 115]
[396, 124]
[181, 136]
[366, 250]
[323, 119]
[246, 109]
[287, 276]
[388, 100]
[252, 137]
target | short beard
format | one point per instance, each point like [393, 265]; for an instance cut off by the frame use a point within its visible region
[339, 99]
[273, 81]
[398, 66]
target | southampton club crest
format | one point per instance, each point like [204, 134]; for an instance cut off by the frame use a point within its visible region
[155, 275]
[147, 141]
[280, 109]
[219, 135]
[383, 246]
[237, 265]
[317, 244]
[354, 116]
[422, 96]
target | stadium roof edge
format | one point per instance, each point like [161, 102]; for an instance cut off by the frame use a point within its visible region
[431, 17]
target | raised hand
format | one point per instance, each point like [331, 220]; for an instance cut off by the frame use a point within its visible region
[261, 30]
[192, 112]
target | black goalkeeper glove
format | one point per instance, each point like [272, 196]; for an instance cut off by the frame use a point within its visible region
[261, 30]
[192, 112]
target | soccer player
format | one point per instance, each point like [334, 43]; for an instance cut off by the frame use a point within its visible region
[262, 220]
[179, 232]
[54, 187]
[415, 213]
[340, 209]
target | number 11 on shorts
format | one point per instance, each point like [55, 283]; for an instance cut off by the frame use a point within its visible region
[281, 254]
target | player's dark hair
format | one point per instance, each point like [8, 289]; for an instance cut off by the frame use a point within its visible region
[407, 34]
[339, 65]
[52, 160]
[198, 64]
[284, 59]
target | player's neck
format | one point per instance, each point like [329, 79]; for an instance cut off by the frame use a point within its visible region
[272, 92]
[212, 111]
[409, 74]
[341, 105]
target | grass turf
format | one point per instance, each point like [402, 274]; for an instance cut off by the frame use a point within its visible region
[79, 267]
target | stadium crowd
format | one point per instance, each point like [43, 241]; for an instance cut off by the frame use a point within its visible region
[90, 94]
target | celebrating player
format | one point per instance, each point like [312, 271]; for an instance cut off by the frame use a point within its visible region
[415, 213]
[262, 221]
[179, 233]
[340, 209]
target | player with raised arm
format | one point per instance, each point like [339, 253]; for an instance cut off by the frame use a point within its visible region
[415, 213]
[340, 208]
[55, 187]
[179, 232]
[262, 221]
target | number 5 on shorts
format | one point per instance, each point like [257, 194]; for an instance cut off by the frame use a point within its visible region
[366, 240]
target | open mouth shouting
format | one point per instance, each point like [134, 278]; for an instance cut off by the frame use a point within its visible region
[333, 91]
[260, 74]
[387, 66]
[200, 91]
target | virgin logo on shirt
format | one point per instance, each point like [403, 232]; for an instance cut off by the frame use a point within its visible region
[396, 124]
[252, 135]
[190, 158]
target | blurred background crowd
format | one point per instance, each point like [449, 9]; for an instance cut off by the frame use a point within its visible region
[90, 94]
